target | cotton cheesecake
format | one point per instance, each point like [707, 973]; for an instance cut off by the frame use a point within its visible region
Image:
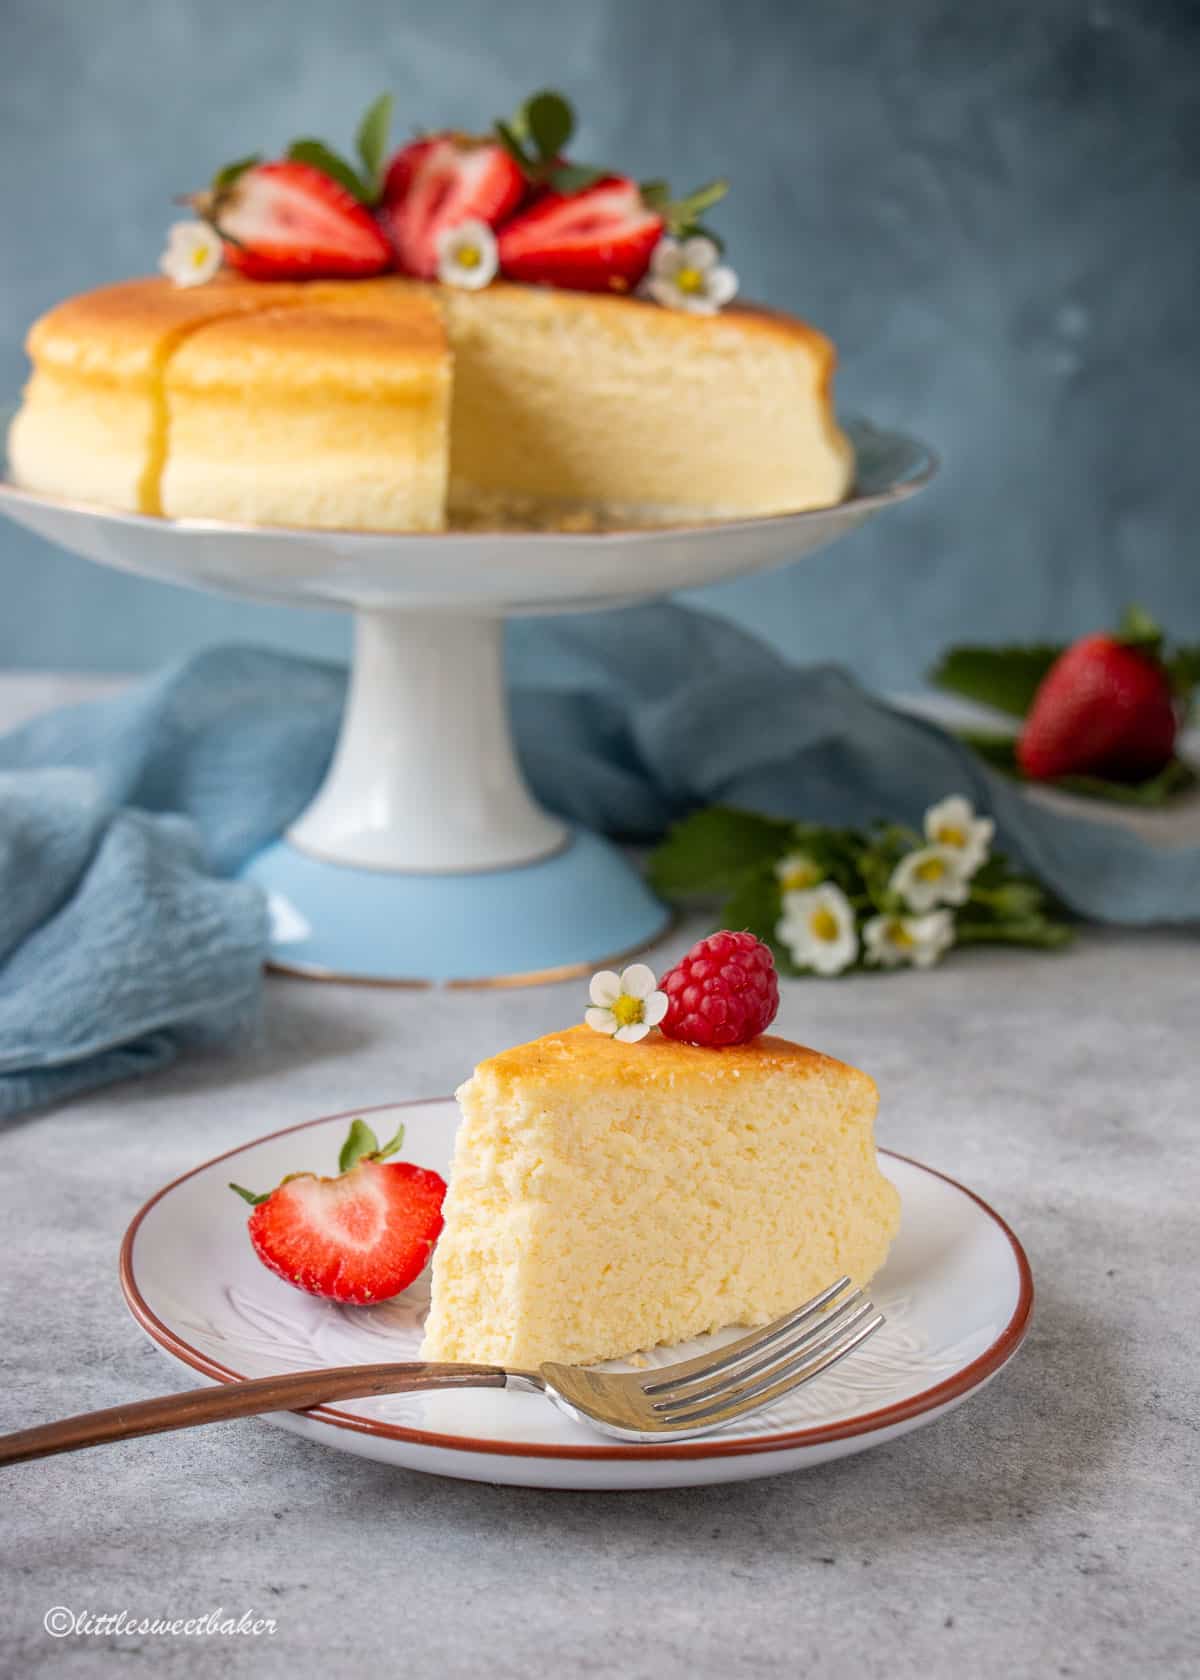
[607, 1197]
[396, 404]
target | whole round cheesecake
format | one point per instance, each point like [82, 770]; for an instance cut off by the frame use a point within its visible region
[393, 403]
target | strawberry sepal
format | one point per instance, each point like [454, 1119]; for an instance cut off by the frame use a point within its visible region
[250, 1196]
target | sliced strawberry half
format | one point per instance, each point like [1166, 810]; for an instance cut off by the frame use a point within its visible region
[438, 183]
[358, 1238]
[291, 221]
[597, 240]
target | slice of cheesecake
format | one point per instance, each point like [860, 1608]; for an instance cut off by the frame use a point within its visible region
[608, 1197]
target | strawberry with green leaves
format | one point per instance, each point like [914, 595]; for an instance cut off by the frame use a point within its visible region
[357, 1238]
[1106, 707]
[584, 229]
[1100, 717]
[307, 216]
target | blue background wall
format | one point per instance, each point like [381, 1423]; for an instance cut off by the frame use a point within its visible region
[993, 210]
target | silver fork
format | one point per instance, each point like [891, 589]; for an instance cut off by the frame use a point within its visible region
[691, 1398]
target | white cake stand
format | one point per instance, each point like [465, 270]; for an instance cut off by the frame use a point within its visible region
[423, 857]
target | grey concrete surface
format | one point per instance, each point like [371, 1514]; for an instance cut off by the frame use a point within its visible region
[992, 209]
[1048, 1527]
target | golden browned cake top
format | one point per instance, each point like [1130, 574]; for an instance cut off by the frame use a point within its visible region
[747, 320]
[318, 343]
[580, 1056]
[127, 323]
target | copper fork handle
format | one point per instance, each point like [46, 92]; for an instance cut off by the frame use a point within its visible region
[293, 1391]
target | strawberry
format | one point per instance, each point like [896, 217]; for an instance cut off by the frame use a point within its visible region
[437, 183]
[1104, 708]
[597, 240]
[292, 221]
[361, 1237]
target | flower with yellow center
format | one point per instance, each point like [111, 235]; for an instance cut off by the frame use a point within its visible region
[818, 929]
[931, 876]
[688, 274]
[625, 1006]
[953, 823]
[919, 940]
[467, 256]
[192, 255]
[797, 871]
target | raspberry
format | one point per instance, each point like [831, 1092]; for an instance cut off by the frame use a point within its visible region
[725, 991]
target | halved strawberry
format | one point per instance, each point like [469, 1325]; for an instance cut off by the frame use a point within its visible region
[438, 183]
[361, 1237]
[596, 240]
[291, 221]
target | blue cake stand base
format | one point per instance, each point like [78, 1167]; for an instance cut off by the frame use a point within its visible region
[580, 909]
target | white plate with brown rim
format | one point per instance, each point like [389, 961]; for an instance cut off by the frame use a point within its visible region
[956, 1289]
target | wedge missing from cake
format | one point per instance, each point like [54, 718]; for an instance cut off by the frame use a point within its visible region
[607, 1198]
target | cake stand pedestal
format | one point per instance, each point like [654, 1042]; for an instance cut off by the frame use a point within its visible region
[424, 858]
[424, 854]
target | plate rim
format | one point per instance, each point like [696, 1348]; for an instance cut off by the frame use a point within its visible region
[929, 1400]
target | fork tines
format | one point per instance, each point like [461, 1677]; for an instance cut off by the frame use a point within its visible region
[765, 1365]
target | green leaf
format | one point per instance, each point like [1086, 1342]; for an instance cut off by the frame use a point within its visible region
[701, 199]
[1183, 667]
[224, 178]
[1013, 900]
[656, 195]
[1176, 778]
[1138, 629]
[683, 216]
[322, 157]
[249, 1196]
[360, 1141]
[754, 906]
[998, 749]
[709, 853]
[1004, 677]
[549, 121]
[876, 866]
[574, 177]
[391, 1147]
[372, 139]
[1036, 931]
[513, 141]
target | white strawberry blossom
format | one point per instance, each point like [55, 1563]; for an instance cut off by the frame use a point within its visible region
[930, 876]
[818, 929]
[798, 871]
[467, 256]
[688, 274]
[919, 940]
[625, 1006]
[953, 823]
[192, 254]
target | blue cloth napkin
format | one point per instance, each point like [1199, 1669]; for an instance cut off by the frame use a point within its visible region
[123, 936]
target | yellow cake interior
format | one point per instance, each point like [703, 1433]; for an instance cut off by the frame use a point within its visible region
[393, 405]
[311, 416]
[606, 1197]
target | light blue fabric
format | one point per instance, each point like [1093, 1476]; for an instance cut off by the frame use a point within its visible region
[123, 937]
